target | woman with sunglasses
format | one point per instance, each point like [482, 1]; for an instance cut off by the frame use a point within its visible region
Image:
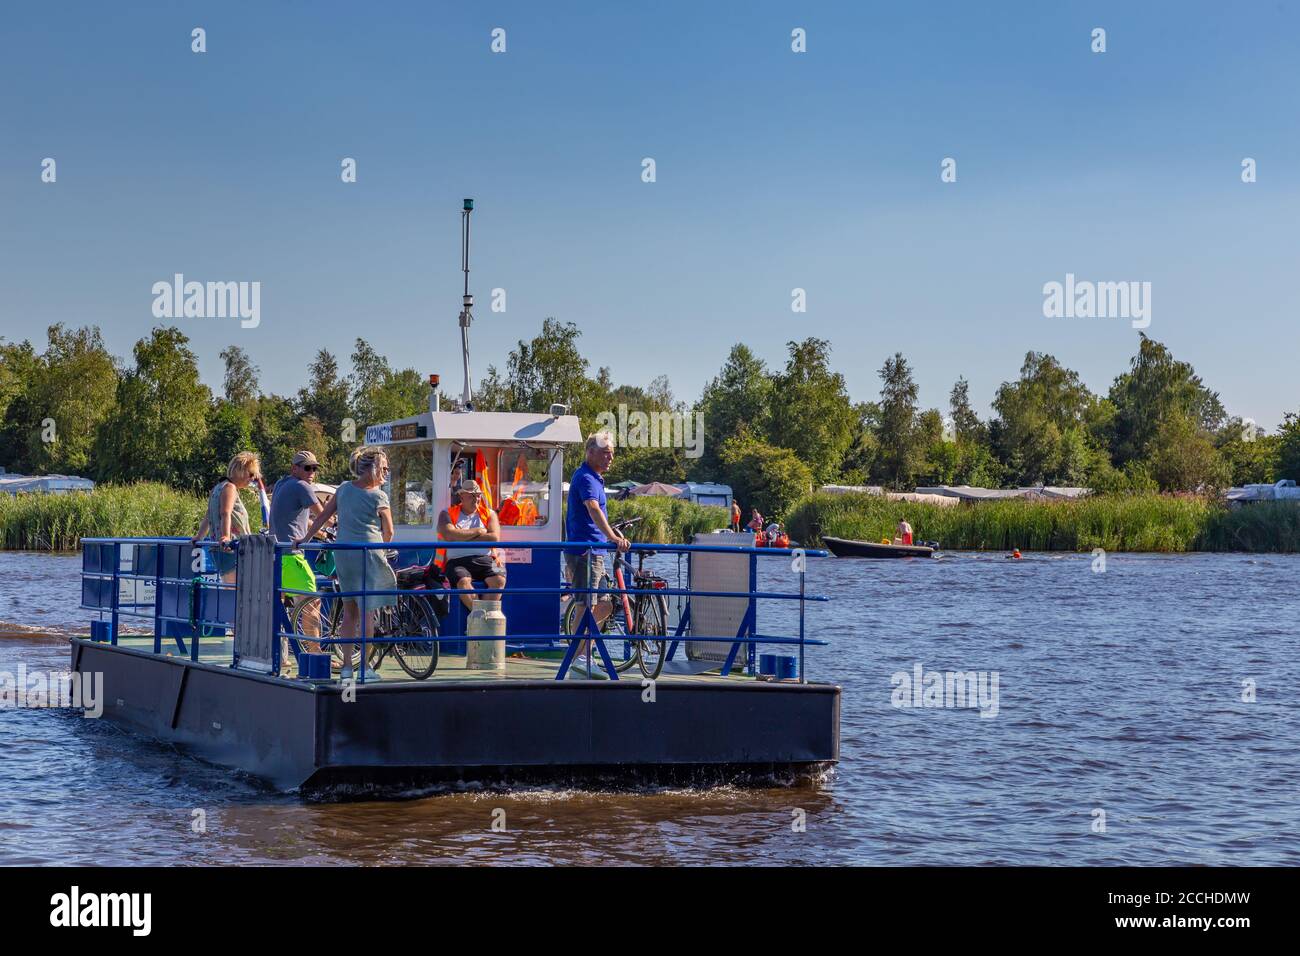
[227, 518]
[364, 516]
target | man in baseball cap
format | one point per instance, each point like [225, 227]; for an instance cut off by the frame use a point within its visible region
[472, 520]
[293, 506]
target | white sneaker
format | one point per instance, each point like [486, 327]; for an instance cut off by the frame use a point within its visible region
[578, 669]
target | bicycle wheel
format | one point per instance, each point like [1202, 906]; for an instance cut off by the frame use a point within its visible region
[331, 627]
[303, 616]
[415, 618]
[652, 629]
[622, 646]
[622, 652]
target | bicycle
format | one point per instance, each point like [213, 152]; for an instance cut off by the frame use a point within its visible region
[645, 641]
[412, 616]
[296, 606]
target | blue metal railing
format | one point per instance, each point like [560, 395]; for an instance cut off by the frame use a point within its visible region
[158, 561]
[154, 562]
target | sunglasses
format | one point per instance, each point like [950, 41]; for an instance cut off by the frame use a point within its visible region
[310, 467]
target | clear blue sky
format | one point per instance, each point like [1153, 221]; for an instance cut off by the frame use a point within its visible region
[775, 171]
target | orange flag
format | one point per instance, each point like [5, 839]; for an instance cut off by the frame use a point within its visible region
[485, 478]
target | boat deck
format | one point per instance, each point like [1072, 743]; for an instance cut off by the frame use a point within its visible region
[451, 667]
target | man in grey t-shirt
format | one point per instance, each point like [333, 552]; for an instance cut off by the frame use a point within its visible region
[293, 502]
[293, 506]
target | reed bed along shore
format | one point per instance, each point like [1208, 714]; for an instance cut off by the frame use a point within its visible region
[42, 522]
[668, 520]
[1147, 522]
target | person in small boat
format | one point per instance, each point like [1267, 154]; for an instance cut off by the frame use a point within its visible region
[364, 515]
[293, 506]
[587, 519]
[735, 515]
[227, 518]
[472, 520]
[755, 521]
[904, 535]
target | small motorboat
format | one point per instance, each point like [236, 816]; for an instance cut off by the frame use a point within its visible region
[844, 548]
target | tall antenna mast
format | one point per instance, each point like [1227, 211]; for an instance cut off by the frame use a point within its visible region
[467, 304]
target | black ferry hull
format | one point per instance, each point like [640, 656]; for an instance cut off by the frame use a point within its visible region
[294, 734]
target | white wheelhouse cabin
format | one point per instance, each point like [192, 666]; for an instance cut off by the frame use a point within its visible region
[518, 460]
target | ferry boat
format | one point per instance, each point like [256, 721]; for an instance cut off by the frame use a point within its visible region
[201, 664]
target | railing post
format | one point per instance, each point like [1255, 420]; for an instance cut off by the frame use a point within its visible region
[117, 587]
[590, 600]
[751, 650]
[803, 572]
[157, 599]
[363, 617]
[278, 598]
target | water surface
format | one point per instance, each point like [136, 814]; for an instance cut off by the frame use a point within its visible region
[1119, 691]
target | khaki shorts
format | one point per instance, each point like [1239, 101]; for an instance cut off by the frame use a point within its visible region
[576, 568]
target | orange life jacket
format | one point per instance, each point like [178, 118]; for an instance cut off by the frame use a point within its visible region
[453, 513]
[527, 511]
[509, 513]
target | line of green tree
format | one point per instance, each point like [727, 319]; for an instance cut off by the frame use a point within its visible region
[77, 409]
[772, 433]
[775, 433]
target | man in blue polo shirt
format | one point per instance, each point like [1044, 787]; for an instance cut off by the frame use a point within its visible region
[588, 520]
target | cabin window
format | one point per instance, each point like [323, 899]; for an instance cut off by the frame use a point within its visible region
[523, 486]
[410, 483]
[516, 481]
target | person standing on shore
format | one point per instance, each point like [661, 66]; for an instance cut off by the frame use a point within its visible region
[735, 515]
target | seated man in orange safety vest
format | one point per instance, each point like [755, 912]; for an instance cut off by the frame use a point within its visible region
[472, 520]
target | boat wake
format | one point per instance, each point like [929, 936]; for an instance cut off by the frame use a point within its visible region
[558, 784]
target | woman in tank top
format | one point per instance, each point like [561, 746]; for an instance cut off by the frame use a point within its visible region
[226, 517]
